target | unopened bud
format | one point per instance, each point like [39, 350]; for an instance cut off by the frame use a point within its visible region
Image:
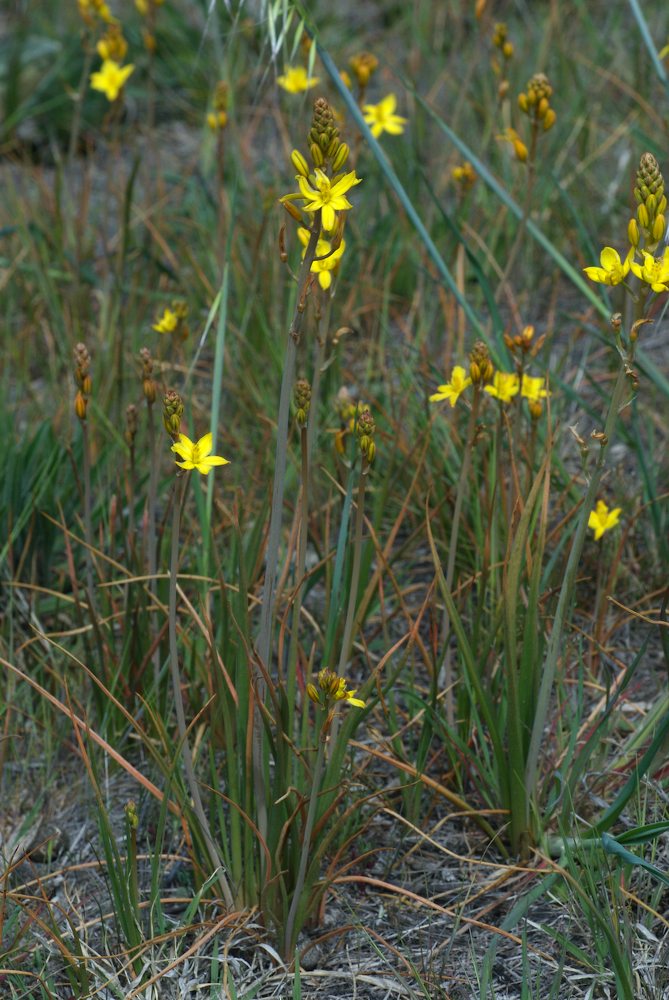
[299, 163]
[523, 103]
[520, 150]
[340, 157]
[633, 234]
[80, 406]
[317, 154]
[659, 226]
[549, 119]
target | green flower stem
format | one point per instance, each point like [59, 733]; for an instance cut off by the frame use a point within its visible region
[322, 324]
[179, 498]
[272, 556]
[347, 641]
[306, 844]
[300, 567]
[555, 642]
[88, 519]
[452, 549]
[151, 552]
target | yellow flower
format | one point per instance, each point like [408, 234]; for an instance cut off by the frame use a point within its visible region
[329, 258]
[110, 78]
[332, 689]
[451, 390]
[167, 322]
[327, 194]
[602, 519]
[197, 455]
[296, 81]
[381, 117]
[505, 386]
[613, 269]
[533, 388]
[654, 271]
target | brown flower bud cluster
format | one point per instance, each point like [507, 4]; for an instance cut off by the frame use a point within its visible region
[363, 65]
[323, 140]
[148, 385]
[365, 428]
[523, 345]
[481, 369]
[173, 409]
[651, 205]
[82, 377]
[535, 101]
[302, 399]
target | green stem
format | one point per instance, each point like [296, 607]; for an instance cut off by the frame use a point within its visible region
[452, 550]
[151, 553]
[300, 567]
[178, 698]
[272, 556]
[306, 845]
[347, 641]
[556, 640]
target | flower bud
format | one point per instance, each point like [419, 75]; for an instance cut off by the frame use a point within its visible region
[644, 219]
[507, 50]
[317, 154]
[523, 102]
[299, 163]
[633, 234]
[659, 226]
[520, 150]
[80, 405]
[549, 119]
[542, 107]
[340, 157]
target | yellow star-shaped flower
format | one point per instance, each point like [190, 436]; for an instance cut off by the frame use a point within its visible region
[328, 194]
[505, 385]
[654, 271]
[167, 322]
[327, 259]
[613, 269]
[452, 390]
[381, 117]
[602, 519]
[110, 78]
[295, 80]
[533, 388]
[197, 455]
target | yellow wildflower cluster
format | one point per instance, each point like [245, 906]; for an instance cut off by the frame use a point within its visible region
[503, 386]
[330, 690]
[322, 189]
[645, 232]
